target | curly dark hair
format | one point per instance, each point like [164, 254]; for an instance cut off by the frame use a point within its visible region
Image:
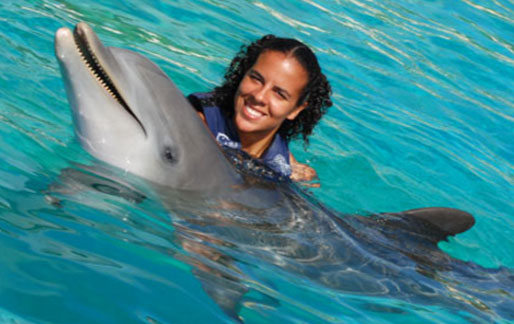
[317, 91]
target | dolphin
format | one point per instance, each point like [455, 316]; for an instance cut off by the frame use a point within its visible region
[129, 114]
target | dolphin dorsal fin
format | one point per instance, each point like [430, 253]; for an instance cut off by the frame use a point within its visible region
[443, 221]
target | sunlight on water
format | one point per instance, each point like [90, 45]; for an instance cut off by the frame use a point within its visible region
[423, 116]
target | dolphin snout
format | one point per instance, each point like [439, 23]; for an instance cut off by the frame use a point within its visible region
[62, 33]
[62, 36]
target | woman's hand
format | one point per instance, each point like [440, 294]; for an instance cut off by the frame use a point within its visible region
[302, 172]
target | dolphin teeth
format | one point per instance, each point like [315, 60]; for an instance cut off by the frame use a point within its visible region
[93, 64]
[96, 70]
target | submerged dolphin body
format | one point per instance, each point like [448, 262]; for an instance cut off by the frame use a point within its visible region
[128, 113]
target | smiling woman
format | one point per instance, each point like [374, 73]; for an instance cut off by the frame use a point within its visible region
[273, 91]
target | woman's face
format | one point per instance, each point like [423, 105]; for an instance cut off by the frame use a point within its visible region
[268, 94]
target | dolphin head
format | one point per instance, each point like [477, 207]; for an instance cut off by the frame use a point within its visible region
[128, 113]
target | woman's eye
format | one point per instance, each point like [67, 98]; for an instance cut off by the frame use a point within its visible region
[282, 95]
[255, 77]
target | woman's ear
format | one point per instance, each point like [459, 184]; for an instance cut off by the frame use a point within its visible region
[298, 109]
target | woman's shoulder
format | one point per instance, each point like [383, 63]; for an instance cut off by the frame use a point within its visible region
[200, 100]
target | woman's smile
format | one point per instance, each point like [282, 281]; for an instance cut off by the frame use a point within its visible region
[252, 113]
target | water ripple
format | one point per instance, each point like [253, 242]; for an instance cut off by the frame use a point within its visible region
[287, 20]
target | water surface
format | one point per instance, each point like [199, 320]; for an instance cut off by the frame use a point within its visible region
[423, 116]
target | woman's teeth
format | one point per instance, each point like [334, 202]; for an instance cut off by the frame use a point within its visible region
[253, 112]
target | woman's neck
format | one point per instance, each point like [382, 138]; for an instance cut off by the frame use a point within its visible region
[256, 144]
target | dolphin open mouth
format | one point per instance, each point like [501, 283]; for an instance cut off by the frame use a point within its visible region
[93, 63]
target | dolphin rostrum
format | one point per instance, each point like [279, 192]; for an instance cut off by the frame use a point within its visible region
[128, 113]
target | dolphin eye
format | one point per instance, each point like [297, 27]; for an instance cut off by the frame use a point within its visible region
[170, 155]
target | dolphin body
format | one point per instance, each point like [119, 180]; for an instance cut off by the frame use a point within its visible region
[129, 114]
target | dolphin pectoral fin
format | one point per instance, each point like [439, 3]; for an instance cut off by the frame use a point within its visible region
[437, 222]
[225, 291]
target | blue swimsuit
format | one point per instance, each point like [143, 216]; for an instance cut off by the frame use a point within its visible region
[276, 156]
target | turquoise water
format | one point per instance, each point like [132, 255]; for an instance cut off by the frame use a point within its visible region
[423, 116]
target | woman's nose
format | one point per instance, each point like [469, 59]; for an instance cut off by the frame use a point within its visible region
[260, 94]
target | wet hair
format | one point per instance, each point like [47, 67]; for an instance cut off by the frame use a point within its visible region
[317, 91]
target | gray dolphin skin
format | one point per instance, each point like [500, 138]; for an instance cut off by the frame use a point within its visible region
[110, 91]
[129, 114]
